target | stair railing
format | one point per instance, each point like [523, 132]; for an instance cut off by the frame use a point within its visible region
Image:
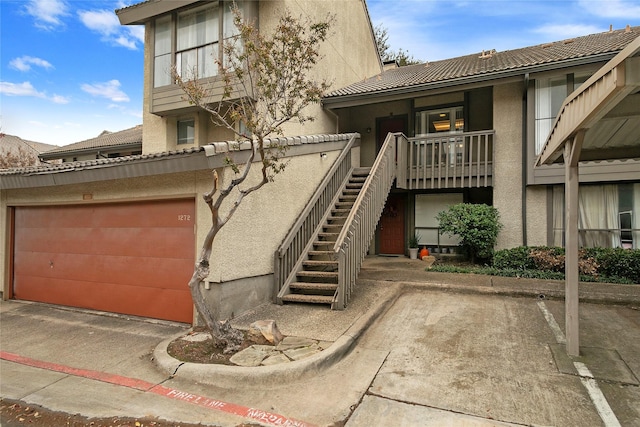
[353, 242]
[287, 256]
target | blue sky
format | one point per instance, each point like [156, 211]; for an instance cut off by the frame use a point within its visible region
[68, 70]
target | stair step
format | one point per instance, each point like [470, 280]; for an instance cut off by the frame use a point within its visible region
[340, 211]
[333, 227]
[324, 243]
[313, 299]
[357, 179]
[327, 236]
[318, 276]
[317, 287]
[321, 253]
[351, 191]
[344, 204]
[348, 197]
[320, 264]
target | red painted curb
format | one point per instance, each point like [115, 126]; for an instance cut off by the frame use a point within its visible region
[145, 386]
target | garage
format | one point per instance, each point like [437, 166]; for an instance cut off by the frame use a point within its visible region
[128, 258]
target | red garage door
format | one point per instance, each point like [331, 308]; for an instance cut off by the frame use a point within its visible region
[130, 258]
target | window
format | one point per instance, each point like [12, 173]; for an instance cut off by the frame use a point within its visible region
[608, 215]
[436, 121]
[446, 150]
[162, 59]
[550, 94]
[186, 132]
[197, 35]
[197, 42]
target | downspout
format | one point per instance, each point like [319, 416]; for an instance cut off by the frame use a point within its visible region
[524, 159]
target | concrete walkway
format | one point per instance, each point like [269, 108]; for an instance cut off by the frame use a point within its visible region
[412, 348]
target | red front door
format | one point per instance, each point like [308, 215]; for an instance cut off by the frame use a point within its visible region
[391, 226]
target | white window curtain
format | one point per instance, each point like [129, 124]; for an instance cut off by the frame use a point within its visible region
[558, 216]
[598, 220]
[598, 216]
[636, 216]
[550, 93]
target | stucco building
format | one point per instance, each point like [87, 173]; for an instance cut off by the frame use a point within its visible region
[387, 151]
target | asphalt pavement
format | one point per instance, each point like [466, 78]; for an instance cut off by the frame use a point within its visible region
[413, 348]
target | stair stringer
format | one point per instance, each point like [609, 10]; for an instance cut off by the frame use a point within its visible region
[286, 287]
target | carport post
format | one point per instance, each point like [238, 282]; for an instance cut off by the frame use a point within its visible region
[571, 156]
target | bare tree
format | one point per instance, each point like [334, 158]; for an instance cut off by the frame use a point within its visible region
[266, 84]
[18, 158]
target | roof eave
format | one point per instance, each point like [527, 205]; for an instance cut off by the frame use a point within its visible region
[83, 151]
[143, 12]
[343, 101]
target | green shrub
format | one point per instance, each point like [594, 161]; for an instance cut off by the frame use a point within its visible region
[623, 263]
[594, 264]
[514, 259]
[477, 225]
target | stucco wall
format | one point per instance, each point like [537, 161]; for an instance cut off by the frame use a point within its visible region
[507, 162]
[243, 250]
[537, 216]
[349, 55]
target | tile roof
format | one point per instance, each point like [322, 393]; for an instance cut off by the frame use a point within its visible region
[491, 62]
[12, 142]
[105, 139]
[212, 149]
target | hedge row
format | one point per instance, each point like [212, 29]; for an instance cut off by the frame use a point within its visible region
[619, 265]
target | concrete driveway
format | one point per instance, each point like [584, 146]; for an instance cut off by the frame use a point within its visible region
[482, 360]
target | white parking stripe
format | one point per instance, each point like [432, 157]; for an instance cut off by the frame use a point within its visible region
[598, 399]
[560, 339]
[586, 377]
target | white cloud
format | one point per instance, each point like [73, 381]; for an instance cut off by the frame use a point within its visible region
[59, 99]
[27, 89]
[20, 89]
[612, 8]
[48, 14]
[106, 23]
[24, 63]
[110, 90]
[560, 32]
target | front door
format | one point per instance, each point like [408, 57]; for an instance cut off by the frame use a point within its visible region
[391, 230]
[391, 226]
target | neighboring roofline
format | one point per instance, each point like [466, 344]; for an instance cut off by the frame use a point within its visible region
[342, 101]
[208, 157]
[59, 154]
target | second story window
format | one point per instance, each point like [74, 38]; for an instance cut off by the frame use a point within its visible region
[197, 42]
[191, 41]
[162, 58]
[550, 94]
[447, 120]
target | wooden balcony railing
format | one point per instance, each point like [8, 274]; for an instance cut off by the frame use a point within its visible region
[452, 160]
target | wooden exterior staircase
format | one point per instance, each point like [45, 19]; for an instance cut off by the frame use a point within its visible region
[317, 280]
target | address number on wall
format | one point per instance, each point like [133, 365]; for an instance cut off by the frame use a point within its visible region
[184, 217]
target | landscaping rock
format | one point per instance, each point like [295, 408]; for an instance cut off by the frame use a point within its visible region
[268, 329]
[252, 356]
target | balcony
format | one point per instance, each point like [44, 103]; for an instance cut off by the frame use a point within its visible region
[451, 160]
